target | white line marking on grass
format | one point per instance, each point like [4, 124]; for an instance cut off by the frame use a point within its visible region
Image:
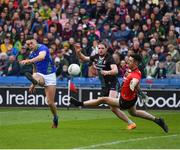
[125, 141]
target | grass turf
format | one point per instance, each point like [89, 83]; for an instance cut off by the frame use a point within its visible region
[28, 128]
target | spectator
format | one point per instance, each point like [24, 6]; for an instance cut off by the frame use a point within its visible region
[145, 57]
[63, 20]
[175, 6]
[97, 10]
[40, 24]
[150, 28]
[116, 21]
[91, 35]
[53, 21]
[136, 29]
[170, 65]
[106, 33]
[163, 7]
[45, 11]
[67, 32]
[141, 39]
[23, 68]
[178, 68]
[123, 48]
[94, 48]
[159, 29]
[110, 11]
[123, 68]
[117, 59]
[122, 34]
[148, 48]
[60, 61]
[86, 48]
[159, 52]
[136, 47]
[150, 69]
[122, 10]
[146, 32]
[64, 73]
[166, 24]
[174, 53]
[128, 21]
[12, 68]
[3, 62]
[69, 54]
[161, 71]
[6, 45]
[171, 38]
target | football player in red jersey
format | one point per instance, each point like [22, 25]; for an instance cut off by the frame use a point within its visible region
[129, 94]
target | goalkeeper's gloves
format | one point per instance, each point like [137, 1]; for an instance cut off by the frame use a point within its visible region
[142, 96]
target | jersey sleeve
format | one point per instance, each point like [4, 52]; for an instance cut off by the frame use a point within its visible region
[92, 58]
[43, 48]
[137, 75]
[111, 61]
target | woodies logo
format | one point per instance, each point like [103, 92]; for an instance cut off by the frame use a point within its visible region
[161, 102]
[156, 99]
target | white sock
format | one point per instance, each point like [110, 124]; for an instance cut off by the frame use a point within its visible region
[130, 122]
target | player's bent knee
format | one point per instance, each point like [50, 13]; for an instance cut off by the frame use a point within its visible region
[102, 100]
[113, 109]
[39, 78]
[132, 113]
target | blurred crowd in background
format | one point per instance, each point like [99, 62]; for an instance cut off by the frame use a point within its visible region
[148, 27]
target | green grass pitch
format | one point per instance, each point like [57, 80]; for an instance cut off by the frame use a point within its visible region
[85, 128]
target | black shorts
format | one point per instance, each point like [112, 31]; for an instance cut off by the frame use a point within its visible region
[107, 88]
[124, 104]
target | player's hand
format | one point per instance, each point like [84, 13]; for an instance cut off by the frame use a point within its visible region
[77, 47]
[32, 88]
[104, 73]
[26, 61]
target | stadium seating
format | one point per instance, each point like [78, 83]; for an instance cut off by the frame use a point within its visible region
[169, 83]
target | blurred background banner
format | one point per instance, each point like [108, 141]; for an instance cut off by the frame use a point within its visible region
[161, 99]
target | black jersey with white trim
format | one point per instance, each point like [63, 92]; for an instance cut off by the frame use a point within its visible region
[104, 63]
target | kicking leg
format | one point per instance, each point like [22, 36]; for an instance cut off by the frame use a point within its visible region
[30, 78]
[143, 114]
[36, 79]
[95, 102]
[103, 100]
[140, 113]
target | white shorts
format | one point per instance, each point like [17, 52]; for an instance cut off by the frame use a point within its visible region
[49, 79]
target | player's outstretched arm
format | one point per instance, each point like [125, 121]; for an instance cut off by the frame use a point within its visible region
[80, 55]
[40, 57]
[113, 71]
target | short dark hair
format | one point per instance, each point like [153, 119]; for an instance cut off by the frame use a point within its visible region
[29, 37]
[136, 57]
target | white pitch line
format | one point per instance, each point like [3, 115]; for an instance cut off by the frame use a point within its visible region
[125, 141]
